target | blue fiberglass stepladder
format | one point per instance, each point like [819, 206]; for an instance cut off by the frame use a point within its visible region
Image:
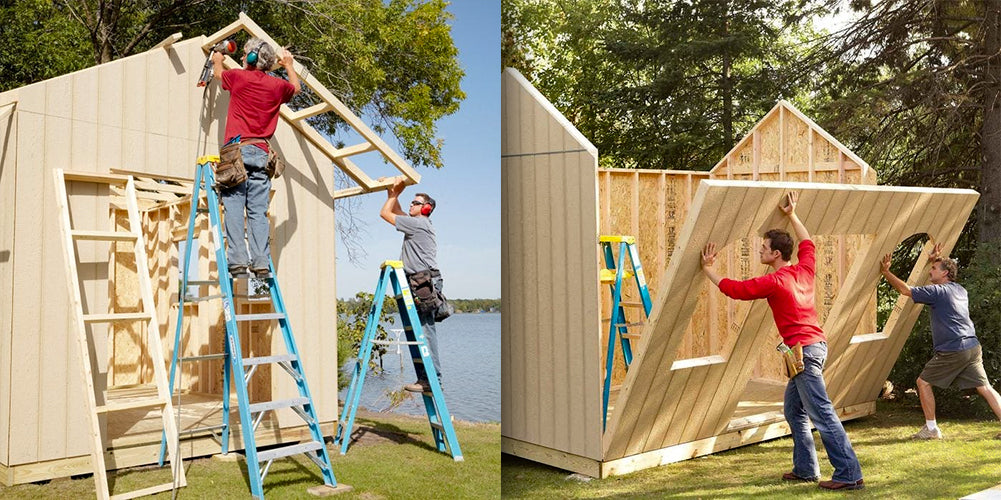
[613, 275]
[235, 364]
[391, 274]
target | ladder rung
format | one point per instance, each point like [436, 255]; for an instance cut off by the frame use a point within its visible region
[395, 342]
[130, 405]
[269, 359]
[109, 318]
[208, 428]
[259, 317]
[608, 276]
[438, 426]
[275, 405]
[285, 451]
[152, 490]
[95, 177]
[631, 325]
[204, 357]
[247, 296]
[188, 300]
[103, 235]
[202, 282]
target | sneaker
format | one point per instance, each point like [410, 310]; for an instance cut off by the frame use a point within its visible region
[838, 485]
[926, 433]
[419, 386]
[238, 271]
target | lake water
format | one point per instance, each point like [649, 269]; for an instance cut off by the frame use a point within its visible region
[470, 350]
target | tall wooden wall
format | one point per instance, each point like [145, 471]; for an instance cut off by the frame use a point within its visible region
[551, 377]
[144, 114]
[659, 408]
[8, 153]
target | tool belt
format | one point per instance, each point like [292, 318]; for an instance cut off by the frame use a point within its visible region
[230, 171]
[793, 358]
[422, 287]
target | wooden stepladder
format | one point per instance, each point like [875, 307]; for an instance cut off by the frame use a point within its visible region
[613, 275]
[236, 367]
[391, 277]
[147, 317]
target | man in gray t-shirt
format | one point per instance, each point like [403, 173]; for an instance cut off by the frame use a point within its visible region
[420, 253]
[958, 358]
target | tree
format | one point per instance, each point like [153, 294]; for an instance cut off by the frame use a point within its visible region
[393, 63]
[914, 86]
[659, 83]
[351, 324]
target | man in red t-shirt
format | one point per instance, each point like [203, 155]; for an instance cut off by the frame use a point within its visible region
[254, 100]
[789, 291]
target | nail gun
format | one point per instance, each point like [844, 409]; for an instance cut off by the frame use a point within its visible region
[227, 47]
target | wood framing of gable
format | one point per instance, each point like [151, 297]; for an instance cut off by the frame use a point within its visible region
[786, 141]
[664, 403]
[330, 103]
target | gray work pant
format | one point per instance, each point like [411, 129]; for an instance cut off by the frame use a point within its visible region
[250, 196]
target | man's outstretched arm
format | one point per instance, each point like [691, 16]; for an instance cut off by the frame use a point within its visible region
[897, 283]
[790, 210]
[391, 208]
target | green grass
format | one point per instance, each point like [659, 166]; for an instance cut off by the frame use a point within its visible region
[966, 461]
[394, 458]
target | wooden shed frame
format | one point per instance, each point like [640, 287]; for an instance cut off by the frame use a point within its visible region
[704, 377]
[143, 116]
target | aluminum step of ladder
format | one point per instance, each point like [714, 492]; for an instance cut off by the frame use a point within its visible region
[251, 414]
[147, 317]
[613, 275]
[392, 278]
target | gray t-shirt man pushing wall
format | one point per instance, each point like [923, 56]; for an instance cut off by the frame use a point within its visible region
[420, 253]
[958, 358]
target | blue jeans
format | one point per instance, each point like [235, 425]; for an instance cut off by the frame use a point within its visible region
[806, 400]
[252, 196]
[430, 337]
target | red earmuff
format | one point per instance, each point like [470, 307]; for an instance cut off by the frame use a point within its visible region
[426, 209]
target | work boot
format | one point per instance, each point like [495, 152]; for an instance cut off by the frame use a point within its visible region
[926, 433]
[261, 272]
[789, 476]
[998, 436]
[838, 485]
[419, 386]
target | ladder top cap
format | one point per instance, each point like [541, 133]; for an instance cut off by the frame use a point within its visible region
[616, 239]
[395, 264]
[208, 159]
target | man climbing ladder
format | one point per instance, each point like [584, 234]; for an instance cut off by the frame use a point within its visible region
[240, 369]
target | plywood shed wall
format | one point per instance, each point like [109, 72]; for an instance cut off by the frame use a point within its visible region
[550, 390]
[701, 365]
[653, 204]
[145, 115]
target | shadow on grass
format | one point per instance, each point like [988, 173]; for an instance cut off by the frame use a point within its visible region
[366, 429]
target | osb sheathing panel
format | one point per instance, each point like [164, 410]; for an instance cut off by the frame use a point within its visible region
[8, 154]
[142, 113]
[551, 379]
[661, 407]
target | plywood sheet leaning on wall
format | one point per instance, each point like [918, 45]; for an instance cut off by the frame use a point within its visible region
[551, 383]
[695, 399]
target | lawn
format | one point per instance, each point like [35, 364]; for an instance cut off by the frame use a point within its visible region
[968, 460]
[393, 458]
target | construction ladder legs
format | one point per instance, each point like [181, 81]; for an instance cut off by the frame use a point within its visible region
[239, 369]
[613, 275]
[391, 276]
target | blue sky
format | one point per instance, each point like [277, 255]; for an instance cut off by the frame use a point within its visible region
[467, 189]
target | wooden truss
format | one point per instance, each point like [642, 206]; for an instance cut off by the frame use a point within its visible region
[667, 401]
[330, 103]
